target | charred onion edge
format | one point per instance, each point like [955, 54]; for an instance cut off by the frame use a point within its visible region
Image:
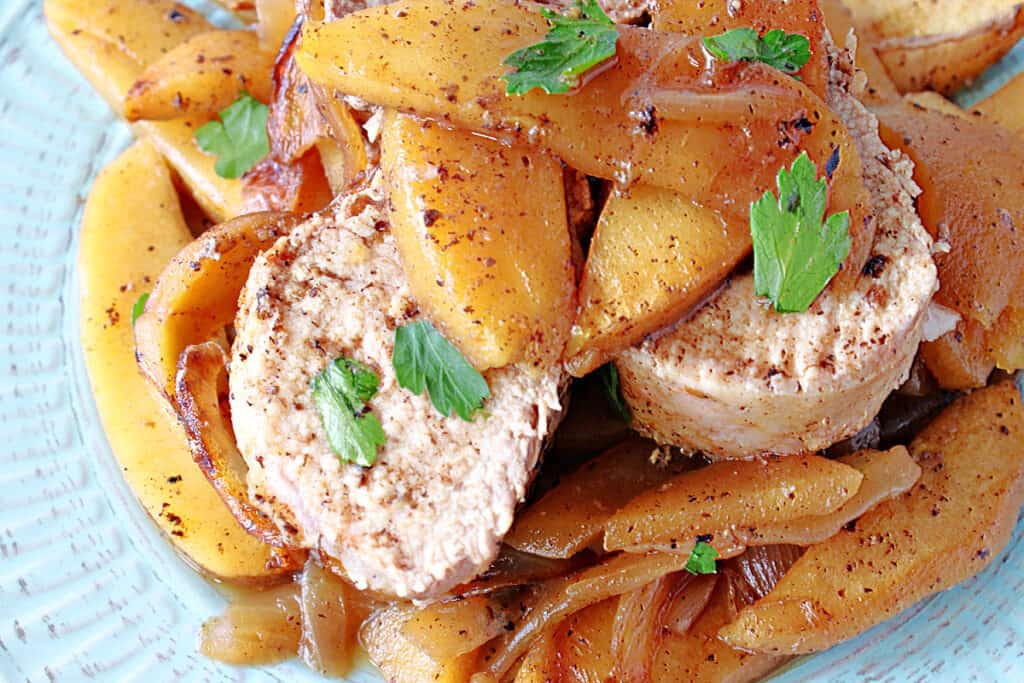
[198, 406]
[253, 232]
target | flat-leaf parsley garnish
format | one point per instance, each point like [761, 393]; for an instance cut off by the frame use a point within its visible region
[340, 393]
[576, 43]
[139, 306]
[795, 254]
[239, 139]
[787, 52]
[424, 358]
[609, 375]
[702, 559]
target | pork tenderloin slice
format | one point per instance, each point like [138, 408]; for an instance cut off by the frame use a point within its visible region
[738, 379]
[432, 511]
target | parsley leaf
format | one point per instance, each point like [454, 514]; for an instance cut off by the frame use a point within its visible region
[340, 392]
[576, 43]
[702, 559]
[423, 357]
[609, 375]
[139, 306]
[239, 139]
[795, 255]
[787, 52]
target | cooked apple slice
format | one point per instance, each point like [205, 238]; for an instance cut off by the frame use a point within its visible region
[950, 526]
[111, 41]
[971, 174]
[655, 256]
[400, 659]
[649, 116]
[960, 359]
[582, 644]
[274, 20]
[1006, 339]
[711, 17]
[131, 226]
[1006, 106]
[886, 475]
[203, 75]
[727, 498]
[572, 515]
[482, 232]
[256, 628]
[939, 46]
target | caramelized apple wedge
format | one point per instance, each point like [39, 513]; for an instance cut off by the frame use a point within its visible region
[131, 226]
[726, 499]
[711, 17]
[650, 116]
[1006, 339]
[971, 174]
[961, 359]
[880, 88]
[261, 628]
[220, 198]
[950, 526]
[274, 20]
[112, 41]
[1006, 106]
[451, 628]
[572, 515]
[970, 37]
[482, 232]
[583, 645]
[886, 475]
[203, 75]
[400, 660]
[655, 256]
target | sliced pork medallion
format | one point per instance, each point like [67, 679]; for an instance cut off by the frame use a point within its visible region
[738, 379]
[432, 510]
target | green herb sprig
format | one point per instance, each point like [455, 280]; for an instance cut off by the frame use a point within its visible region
[139, 306]
[609, 375]
[340, 393]
[423, 358]
[576, 43]
[795, 252]
[239, 138]
[787, 52]
[702, 559]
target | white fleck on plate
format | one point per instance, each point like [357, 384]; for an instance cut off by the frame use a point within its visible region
[88, 588]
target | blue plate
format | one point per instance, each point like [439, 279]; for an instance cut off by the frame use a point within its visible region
[88, 588]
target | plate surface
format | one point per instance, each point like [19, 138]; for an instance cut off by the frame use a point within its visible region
[89, 590]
